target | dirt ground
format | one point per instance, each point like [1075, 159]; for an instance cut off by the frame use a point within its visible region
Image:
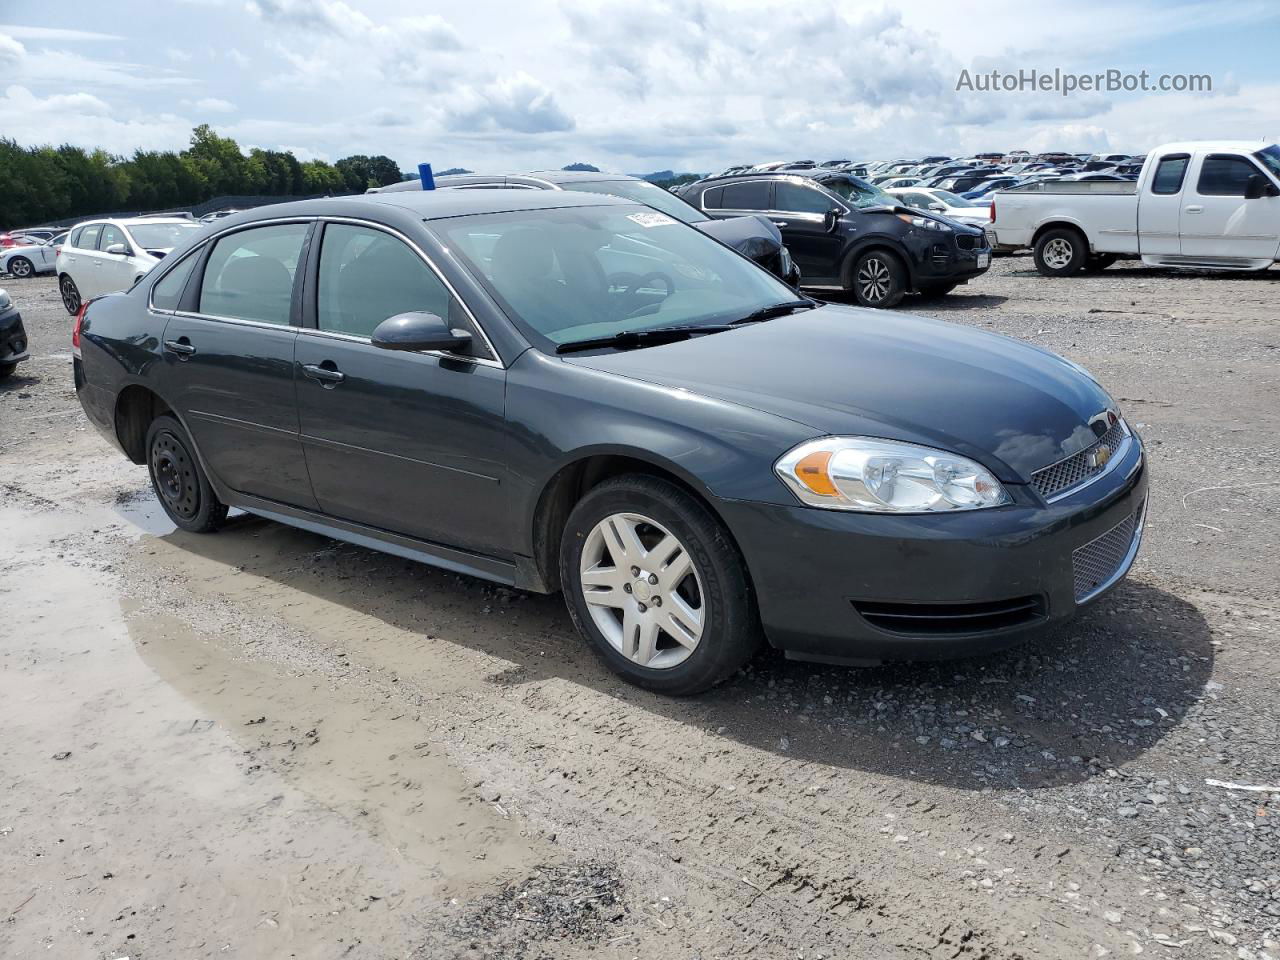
[263, 743]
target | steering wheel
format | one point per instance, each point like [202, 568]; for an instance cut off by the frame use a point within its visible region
[632, 289]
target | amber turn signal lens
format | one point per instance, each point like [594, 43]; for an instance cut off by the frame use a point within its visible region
[812, 472]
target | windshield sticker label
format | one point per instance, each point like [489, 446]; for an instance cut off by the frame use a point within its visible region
[647, 220]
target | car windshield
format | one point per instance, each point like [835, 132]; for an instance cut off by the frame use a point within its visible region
[857, 193]
[161, 236]
[574, 273]
[644, 192]
[1270, 157]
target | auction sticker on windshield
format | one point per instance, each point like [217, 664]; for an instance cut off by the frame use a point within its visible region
[647, 220]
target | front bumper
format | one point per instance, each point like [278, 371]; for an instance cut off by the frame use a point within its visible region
[949, 258]
[849, 587]
[13, 337]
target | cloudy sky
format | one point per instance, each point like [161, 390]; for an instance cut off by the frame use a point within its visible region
[633, 87]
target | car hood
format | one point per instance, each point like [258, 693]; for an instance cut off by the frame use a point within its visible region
[754, 237]
[843, 370]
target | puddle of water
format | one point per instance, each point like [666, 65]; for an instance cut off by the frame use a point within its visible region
[163, 798]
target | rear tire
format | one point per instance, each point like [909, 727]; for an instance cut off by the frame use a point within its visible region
[70, 294]
[178, 479]
[879, 279]
[932, 291]
[6, 370]
[1060, 252]
[21, 267]
[688, 610]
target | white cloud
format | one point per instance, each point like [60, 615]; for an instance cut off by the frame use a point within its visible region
[214, 105]
[54, 33]
[518, 103]
[11, 51]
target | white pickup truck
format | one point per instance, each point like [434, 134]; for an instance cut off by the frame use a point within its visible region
[1212, 204]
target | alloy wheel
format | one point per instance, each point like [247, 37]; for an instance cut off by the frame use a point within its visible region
[70, 295]
[20, 267]
[874, 279]
[642, 590]
[1058, 253]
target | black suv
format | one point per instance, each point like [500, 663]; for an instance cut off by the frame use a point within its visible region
[13, 337]
[844, 232]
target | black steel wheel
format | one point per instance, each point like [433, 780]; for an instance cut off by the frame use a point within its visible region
[178, 479]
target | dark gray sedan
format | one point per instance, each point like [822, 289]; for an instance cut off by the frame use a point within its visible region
[564, 391]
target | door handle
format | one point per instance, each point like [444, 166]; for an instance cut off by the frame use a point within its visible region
[328, 376]
[1195, 208]
[182, 347]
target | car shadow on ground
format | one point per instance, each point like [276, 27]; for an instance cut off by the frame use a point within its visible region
[1078, 700]
[19, 381]
[1133, 270]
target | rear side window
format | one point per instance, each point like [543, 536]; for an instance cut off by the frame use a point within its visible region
[1169, 173]
[249, 275]
[367, 276]
[89, 236]
[1224, 176]
[167, 293]
[797, 199]
[713, 199]
[751, 195]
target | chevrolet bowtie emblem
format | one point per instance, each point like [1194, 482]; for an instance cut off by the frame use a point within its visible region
[1099, 457]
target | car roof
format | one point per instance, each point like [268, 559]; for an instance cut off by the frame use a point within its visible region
[433, 204]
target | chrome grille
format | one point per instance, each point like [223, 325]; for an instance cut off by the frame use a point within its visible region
[1074, 470]
[1098, 562]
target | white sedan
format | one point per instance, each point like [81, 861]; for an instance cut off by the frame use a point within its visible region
[102, 256]
[948, 204]
[30, 258]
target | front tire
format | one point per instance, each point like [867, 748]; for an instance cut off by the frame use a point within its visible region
[879, 279]
[656, 586]
[178, 479]
[21, 267]
[70, 294]
[7, 370]
[1060, 252]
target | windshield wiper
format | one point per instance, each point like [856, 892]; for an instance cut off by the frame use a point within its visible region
[777, 310]
[642, 338]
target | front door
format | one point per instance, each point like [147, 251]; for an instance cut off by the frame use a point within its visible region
[413, 443]
[1217, 221]
[115, 271]
[229, 364]
[800, 212]
[1160, 207]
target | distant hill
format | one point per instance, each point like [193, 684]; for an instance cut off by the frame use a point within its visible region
[581, 168]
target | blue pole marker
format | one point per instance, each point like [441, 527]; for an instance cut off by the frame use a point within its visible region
[428, 181]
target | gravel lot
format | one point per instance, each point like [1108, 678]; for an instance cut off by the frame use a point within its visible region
[264, 743]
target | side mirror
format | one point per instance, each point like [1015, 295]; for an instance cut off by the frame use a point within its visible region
[117, 249]
[832, 218]
[1257, 187]
[419, 331]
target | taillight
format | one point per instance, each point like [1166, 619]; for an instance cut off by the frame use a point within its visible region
[75, 330]
[993, 209]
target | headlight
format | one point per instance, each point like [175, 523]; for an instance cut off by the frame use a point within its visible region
[886, 476]
[924, 223]
[5, 300]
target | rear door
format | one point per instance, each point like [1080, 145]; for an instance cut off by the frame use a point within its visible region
[1217, 221]
[82, 262]
[409, 442]
[800, 213]
[228, 353]
[1160, 205]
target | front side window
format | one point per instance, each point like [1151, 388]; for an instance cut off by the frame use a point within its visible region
[112, 234]
[749, 195]
[1224, 176]
[1169, 173]
[250, 273]
[574, 273]
[367, 276]
[794, 198]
